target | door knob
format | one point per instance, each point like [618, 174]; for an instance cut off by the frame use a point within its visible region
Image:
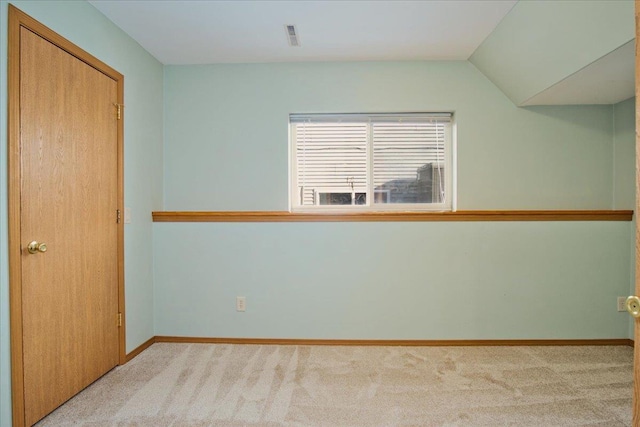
[633, 305]
[35, 247]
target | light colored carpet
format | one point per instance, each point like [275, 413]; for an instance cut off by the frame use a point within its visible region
[253, 385]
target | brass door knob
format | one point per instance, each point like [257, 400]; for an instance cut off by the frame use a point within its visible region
[633, 305]
[35, 247]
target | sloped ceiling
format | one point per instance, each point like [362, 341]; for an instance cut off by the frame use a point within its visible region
[562, 52]
[608, 80]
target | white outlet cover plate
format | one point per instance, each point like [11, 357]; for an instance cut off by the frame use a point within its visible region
[241, 303]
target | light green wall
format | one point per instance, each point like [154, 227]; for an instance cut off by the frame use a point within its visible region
[539, 43]
[85, 26]
[226, 149]
[226, 133]
[490, 280]
[624, 155]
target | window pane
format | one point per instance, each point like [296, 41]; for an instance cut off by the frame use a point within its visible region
[331, 160]
[382, 160]
[408, 162]
[342, 198]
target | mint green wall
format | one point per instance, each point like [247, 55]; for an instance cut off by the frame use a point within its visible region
[539, 43]
[85, 26]
[624, 177]
[624, 154]
[488, 280]
[226, 133]
[226, 149]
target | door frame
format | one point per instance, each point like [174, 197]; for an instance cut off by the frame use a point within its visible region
[18, 19]
[636, 322]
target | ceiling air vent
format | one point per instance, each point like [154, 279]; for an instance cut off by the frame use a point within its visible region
[292, 35]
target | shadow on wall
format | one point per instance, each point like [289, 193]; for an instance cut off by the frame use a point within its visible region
[574, 114]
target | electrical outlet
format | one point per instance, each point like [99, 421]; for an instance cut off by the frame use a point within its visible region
[241, 303]
[621, 301]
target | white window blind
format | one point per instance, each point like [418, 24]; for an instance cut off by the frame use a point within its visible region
[409, 160]
[371, 160]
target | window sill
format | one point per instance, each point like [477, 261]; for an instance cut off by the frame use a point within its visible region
[284, 216]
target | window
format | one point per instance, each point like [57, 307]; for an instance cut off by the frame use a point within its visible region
[371, 161]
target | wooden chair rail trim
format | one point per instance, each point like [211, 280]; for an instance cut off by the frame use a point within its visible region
[284, 216]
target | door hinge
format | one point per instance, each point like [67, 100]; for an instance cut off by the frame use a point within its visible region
[119, 320]
[118, 216]
[119, 108]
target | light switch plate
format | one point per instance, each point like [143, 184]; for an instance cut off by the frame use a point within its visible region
[127, 215]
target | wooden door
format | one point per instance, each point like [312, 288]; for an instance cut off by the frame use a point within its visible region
[68, 206]
[636, 355]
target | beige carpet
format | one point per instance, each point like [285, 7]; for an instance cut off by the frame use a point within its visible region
[251, 385]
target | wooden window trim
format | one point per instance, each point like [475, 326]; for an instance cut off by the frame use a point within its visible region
[498, 215]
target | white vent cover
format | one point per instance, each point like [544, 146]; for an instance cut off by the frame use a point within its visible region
[292, 35]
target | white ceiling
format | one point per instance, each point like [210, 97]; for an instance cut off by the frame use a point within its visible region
[249, 31]
[237, 31]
